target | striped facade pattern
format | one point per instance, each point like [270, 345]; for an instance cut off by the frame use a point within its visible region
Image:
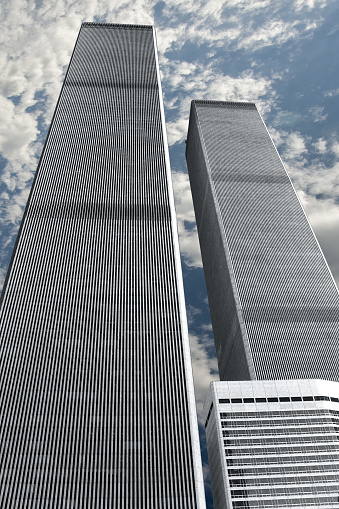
[97, 403]
[274, 303]
[273, 444]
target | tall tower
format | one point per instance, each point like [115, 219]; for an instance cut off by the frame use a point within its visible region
[97, 405]
[273, 301]
[271, 428]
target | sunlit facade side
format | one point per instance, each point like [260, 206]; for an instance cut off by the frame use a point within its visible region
[273, 444]
[269, 287]
[97, 405]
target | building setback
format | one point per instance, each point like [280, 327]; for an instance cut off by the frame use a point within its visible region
[97, 403]
[274, 304]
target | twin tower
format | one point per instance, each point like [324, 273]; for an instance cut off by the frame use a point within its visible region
[97, 405]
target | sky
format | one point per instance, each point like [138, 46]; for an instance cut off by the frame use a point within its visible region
[283, 55]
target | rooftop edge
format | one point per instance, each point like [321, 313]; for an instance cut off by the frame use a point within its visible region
[232, 104]
[116, 25]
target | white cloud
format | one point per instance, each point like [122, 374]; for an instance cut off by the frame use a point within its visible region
[274, 32]
[205, 368]
[317, 113]
[335, 148]
[317, 186]
[177, 130]
[321, 145]
[189, 246]
[183, 196]
[167, 38]
[309, 4]
[233, 24]
[278, 136]
[315, 179]
[18, 130]
[2, 277]
[188, 235]
[295, 146]
[16, 176]
[192, 81]
[331, 93]
[13, 207]
[324, 218]
[248, 5]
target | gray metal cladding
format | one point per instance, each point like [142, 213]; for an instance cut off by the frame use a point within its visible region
[219, 276]
[286, 302]
[97, 399]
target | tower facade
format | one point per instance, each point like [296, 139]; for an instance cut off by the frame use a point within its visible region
[97, 394]
[273, 301]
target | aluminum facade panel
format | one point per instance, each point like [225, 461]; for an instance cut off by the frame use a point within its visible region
[279, 296]
[97, 395]
[273, 443]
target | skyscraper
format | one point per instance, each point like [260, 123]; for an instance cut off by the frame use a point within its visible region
[271, 428]
[273, 301]
[97, 396]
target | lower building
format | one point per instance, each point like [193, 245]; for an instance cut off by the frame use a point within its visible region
[273, 443]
